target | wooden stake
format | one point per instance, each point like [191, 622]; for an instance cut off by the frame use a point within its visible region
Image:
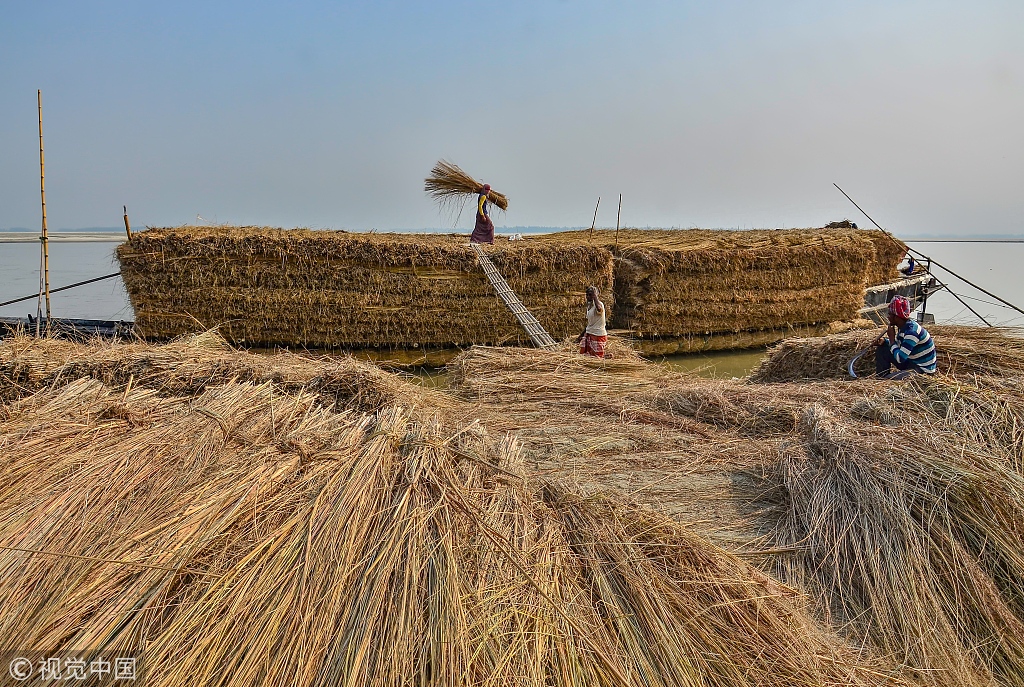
[127, 226]
[618, 216]
[42, 197]
[592, 224]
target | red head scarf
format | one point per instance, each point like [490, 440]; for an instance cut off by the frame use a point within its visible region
[900, 307]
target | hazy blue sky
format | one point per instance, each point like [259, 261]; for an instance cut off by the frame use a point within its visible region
[330, 114]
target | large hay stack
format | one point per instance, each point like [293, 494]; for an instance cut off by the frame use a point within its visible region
[328, 288]
[681, 289]
[698, 282]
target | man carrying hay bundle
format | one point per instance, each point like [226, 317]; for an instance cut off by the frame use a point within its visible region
[594, 338]
[483, 230]
[907, 345]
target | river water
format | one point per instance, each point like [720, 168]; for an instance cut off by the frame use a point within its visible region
[997, 267]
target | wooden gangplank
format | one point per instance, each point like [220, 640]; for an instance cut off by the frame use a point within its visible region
[538, 335]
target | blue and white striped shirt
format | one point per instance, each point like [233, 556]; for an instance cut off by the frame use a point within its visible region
[914, 344]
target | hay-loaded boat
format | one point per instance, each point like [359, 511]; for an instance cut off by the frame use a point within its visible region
[671, 291]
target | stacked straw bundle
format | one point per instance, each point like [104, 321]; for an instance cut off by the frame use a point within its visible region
[449, 185]
[288, 542]
[889, 253]
[692, 289]
[742, 288]
[326, 288]
[676, 283]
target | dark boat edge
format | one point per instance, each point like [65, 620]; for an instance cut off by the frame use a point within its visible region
[74, 329]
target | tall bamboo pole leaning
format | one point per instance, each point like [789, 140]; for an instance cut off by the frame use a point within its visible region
[618, 216]
[127, 226]
[42, 197]
[594, 223]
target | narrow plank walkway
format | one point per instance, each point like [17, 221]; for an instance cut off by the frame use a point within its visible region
[529, 323]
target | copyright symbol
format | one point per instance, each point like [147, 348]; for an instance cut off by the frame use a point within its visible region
[20, 668]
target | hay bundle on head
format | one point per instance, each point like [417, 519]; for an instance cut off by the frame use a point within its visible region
[448, 184]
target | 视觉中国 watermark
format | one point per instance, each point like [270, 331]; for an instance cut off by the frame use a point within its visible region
[42, 667]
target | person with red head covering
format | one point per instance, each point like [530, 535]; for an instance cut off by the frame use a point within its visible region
[483, 231]
[907, 345]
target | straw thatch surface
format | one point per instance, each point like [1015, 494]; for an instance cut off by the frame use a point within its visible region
[243, 534]
[321, 288]
[677, 283]
[896, 506]
[215, 508]
[186, 367]
[962, 352]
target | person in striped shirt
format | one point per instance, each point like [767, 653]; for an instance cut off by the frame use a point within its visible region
[907, 345]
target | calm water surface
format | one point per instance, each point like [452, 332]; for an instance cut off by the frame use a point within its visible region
[69, 263]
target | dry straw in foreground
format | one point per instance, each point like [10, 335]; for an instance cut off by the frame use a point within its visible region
[908, 534]
[284, 543]
[896, 506]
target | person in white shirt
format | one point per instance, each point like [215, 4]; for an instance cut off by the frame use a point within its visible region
[595, 337]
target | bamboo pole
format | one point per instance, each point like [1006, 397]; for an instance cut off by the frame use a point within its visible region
[594, 223]
[63, 288]
[895, 240]
[42, 197]
[127, 226]
[618, 216]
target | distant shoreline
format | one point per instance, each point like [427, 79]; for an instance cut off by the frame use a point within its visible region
[62, 237]
[114, 235]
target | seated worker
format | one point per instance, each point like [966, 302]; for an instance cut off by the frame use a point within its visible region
[593, 339]
[907, 345]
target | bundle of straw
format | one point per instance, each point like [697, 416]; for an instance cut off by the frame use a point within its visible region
[286, 544]
[187, 366]
[918, 551]
[448, 184]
